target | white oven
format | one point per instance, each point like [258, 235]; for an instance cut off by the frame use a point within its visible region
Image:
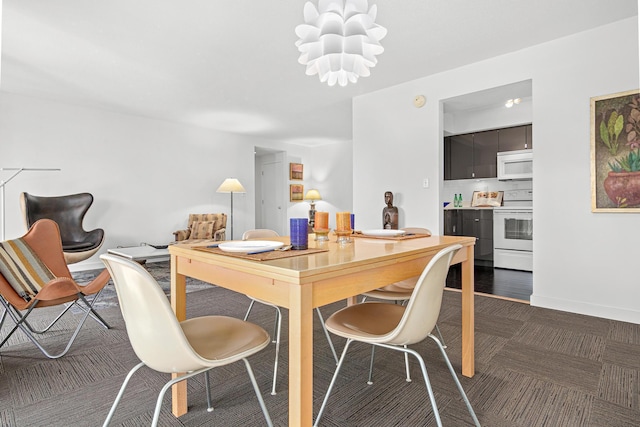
[513, 234]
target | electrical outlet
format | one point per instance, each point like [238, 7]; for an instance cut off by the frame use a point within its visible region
[425, 183]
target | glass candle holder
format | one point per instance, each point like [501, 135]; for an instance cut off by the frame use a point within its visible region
[343, 221]
[321, 226]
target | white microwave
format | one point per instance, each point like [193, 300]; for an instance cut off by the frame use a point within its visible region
[515, 165]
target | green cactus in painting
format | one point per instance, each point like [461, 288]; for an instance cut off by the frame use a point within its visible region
[627, 163]
[610, 131]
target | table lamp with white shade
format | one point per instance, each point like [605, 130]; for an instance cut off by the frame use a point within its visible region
[312, 195]
[231, 185]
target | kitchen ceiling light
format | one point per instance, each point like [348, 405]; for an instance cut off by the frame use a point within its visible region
[339, 40]
[511, 102]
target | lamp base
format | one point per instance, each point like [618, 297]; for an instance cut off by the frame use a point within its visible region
[312, 215]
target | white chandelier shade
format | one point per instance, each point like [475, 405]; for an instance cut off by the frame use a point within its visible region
[339, 40]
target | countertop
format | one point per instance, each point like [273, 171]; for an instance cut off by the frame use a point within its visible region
[451, 207]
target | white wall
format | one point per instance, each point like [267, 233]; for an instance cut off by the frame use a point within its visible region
[327, 168]
[146, 175]
[583, 261]
[488, 118]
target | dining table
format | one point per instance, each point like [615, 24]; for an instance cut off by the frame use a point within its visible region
[328, 271]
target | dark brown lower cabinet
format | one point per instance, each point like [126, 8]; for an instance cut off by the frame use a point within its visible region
[473, 222]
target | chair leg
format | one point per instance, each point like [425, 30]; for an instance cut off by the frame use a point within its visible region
[22, 319]
[457, 381]
[207, 384]
[17, 319]
[432, 398]
[258, 394]
[94, 314]
[246, 316]
[42, 331]
[440, 336]
[278, 329]
[4, 315]
[373, 353]
[167, 386]
[275, 323]
[326, 333]
[406, 365]
[333, 381]
[121, 392]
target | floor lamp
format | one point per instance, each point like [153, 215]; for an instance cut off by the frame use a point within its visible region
[231, 185]
[3, 184]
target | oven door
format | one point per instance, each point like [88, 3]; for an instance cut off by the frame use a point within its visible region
[513, 230]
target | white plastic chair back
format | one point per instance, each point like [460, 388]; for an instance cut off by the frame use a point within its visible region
[258, 233]
[423, 308]
[416, 230]
[154, 331]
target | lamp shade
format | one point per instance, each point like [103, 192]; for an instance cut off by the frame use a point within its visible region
[231, 185]
[313, 195]
[339, 40]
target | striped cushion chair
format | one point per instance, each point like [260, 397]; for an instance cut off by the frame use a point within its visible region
[34, 274]
[203, 227]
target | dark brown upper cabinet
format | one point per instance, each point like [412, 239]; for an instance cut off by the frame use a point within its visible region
[515, 138]
[473, 155]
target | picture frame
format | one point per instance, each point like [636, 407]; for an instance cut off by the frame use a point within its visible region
[615, 152]
[296, 171]
[296, 192]
[487, 198]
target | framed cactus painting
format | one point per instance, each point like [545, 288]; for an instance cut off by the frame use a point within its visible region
[615, 152]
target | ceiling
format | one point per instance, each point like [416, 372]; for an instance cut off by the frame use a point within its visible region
[233, 65]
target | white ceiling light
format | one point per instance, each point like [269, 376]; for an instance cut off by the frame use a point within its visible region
[339, 40]
[511, 102]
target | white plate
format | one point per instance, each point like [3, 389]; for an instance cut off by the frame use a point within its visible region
[383, 233]
[250, 246]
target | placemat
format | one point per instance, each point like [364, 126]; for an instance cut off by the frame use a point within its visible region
[264, 256]
[405, 237]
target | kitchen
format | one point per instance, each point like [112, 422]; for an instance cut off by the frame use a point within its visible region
[488, 158]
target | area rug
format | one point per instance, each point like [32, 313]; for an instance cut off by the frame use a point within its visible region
[161, 271]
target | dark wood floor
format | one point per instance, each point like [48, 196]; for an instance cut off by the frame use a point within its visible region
[496, 281]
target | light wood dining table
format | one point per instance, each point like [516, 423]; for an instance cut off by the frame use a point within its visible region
[301, 283]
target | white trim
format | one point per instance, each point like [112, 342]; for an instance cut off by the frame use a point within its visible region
[606, 312]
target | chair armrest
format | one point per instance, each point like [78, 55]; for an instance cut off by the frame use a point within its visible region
[97, 284]
[220, 234]
[58, 288]
[181, 234]
[96, 237]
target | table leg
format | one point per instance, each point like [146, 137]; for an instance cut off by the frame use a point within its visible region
[300, 355]
[468, 321]
[179, 306]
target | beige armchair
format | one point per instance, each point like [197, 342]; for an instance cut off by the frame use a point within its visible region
[203, 226]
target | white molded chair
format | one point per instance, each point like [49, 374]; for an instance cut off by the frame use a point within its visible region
[162, 343]
[400, 292]
[395, 326]
[266, 233]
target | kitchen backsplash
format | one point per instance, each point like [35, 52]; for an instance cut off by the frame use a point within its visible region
[466, 187]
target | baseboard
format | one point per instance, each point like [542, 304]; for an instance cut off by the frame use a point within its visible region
[99, 265]
[606, 312]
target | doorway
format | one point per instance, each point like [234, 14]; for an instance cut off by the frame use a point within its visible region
[270, 200]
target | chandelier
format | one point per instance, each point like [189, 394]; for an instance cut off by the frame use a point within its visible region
[339, 40]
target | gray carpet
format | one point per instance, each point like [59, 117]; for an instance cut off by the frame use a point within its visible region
[535, 367]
